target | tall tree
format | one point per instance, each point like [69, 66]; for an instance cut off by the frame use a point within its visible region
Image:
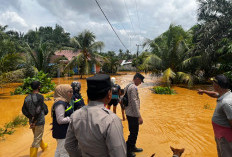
[40, 56]
[214, 35]
[169, 53]
[85, 42]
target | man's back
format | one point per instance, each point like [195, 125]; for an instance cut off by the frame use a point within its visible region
[31, 103]
[99, 131]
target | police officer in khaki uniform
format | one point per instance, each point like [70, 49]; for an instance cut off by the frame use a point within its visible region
[93, 129]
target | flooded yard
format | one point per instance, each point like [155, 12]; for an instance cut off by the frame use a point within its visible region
[180, 121]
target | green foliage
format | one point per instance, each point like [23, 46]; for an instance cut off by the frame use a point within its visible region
[69, 73]
[49, 95]
[56, 35]
[85, 42]
[112, 65]
[208, 107]
[46, 84]
[9, 127]
[13, 76]
[163, 90]
[214, 37]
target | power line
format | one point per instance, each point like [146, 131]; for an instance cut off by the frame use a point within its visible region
[110, 24]
[138, 19]
[116, 15]
[129, 17]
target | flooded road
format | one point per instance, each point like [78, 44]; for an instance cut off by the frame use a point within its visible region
[177, 120]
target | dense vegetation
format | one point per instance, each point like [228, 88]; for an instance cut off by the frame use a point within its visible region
[181, 56]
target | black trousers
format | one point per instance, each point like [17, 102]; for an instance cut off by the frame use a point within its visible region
[133, 123]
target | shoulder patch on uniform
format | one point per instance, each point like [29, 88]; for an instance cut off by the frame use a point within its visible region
[105, 109]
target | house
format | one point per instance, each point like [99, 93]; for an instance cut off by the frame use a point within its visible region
[126, 66]
[66, 56]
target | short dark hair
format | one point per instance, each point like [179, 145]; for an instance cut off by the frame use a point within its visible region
[35, 85]
[140, 76]
[222, 81]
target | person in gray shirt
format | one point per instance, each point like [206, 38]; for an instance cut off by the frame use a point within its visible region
[133, 114]
[222, 117]
[95, 131]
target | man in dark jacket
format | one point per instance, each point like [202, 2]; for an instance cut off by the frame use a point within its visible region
[35, 109]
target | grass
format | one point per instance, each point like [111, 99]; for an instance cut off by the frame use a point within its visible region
[208, 107]
[163, 90]
[9, 127]
[49, 95]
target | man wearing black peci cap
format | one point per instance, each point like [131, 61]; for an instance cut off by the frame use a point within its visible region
[222, 117]
[133, 114]
[93, 129]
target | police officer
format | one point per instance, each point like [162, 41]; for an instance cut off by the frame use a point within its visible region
[93, 129]
[77, 101]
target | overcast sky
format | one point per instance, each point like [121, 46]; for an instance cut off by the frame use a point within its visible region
[133, 20]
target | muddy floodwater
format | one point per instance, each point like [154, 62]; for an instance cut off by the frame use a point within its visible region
[180, 121]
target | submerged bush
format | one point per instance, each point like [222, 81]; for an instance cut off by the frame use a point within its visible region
[46, 84]
[9, 127]
[163, 90]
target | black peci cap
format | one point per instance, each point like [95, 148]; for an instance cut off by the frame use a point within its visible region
[138, 75]
[98, 86]
[222, 81]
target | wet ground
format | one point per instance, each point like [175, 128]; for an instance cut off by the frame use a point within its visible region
[179, 120]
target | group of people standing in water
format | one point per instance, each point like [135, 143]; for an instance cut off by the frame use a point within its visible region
[94, 131]
[87, 130]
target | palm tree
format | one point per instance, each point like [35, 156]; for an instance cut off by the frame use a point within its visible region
[170, 52]
[213, 35]
[111, 66]
[40, 56]
[86, 44]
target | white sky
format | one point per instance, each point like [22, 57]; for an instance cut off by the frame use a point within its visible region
[150, 19]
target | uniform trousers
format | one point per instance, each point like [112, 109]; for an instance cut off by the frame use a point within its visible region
[133, 123]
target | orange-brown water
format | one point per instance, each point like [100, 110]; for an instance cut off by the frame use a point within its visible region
[169, 120]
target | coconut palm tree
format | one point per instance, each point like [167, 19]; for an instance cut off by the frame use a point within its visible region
[213, 35]
[40, 56]
[86, 44]
[170, 52]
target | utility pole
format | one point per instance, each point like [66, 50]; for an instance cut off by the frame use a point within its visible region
[138, 49]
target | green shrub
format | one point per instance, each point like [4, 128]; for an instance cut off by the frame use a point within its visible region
[13, 76]
[46, 84]
[208, 107]
[9, 127]
[69, 73]
[163, 90]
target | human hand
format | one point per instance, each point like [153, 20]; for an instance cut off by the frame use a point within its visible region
[140, 120]
[200, 91]
[32, 125]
